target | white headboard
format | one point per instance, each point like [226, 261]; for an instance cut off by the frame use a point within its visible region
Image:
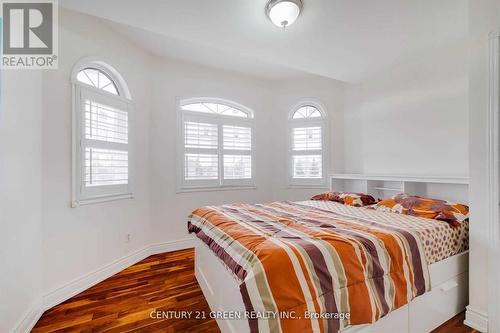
[382, 186]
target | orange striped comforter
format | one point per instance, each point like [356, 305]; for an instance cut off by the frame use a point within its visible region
[306, 269]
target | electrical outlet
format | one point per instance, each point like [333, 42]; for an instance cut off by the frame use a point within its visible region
[128, 238]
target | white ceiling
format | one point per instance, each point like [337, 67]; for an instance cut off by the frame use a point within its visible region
[347, 40]
[187, 51]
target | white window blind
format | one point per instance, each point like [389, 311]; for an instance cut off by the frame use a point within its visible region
[307, 166]
[105, 123]
[237, 166]
[105, 167]
[306, 149]
[307, 152]
[237, 142]
[307, 138]
[237, 137]
[103, 146]
[201, 166]
[201, 141]
[217, 146]
[200, 135]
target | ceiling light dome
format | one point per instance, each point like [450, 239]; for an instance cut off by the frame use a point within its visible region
[283, 12]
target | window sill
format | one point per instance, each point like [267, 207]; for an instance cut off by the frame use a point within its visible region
[215, 189]
[101, 199]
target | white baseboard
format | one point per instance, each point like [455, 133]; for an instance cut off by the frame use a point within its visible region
[172, 246]
[30, 317]
[68, 290]
[476, 319]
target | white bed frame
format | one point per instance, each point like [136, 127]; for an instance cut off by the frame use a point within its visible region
[449, 277]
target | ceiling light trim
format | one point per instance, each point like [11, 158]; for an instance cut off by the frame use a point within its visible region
[273, 3]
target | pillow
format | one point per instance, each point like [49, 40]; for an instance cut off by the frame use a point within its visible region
[453, 213]
[346, 198]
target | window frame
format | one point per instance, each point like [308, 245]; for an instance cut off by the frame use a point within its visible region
[82, 195]
[220, 120]
[321, 122]
[104, 72]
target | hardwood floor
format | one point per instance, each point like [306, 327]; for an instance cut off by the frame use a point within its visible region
[163, 282]
[455, 325]
[124, 302]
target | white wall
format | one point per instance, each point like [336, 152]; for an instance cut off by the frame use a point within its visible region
[78, 241]
[20, 195]
[413, 118]
[484, 17]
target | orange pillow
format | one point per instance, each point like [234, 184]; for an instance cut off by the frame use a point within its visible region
[453, 213]
[346, 198]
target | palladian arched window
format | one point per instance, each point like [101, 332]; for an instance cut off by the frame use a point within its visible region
[102, 118]
[216, 143]
[307, 145]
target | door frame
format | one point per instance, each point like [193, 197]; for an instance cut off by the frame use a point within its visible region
[493, 187]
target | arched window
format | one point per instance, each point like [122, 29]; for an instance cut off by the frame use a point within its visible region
[97, 78]
[102, 118]
[216, 144]
[307, 145]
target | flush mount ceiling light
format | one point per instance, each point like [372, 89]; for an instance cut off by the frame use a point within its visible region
[283, 12]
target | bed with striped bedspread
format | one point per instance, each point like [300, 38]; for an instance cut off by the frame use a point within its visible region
[312, 269]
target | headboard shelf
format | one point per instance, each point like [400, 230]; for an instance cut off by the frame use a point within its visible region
[382, 186]
[387, 189]
[416, 179]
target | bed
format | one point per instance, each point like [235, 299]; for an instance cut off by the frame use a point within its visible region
[386, 272]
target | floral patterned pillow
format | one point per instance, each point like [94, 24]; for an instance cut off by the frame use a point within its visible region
[453, 213]
[346, 198]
